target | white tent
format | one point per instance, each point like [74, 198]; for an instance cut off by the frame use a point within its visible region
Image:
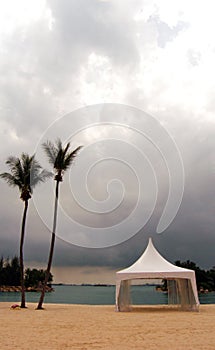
[181, 282]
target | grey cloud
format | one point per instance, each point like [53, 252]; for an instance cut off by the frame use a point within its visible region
[164, 32]
[52, 59]
[190, 235]
[100, 27]
[194, 57]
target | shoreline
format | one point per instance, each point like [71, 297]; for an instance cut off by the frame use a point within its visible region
[72, 326]
[18, 289]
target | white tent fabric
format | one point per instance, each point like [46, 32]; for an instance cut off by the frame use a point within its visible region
[182, 289]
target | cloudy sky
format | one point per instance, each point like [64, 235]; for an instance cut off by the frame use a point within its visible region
[133, 82]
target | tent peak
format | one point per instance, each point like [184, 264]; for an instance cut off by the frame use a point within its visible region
[152, 261]
[150, 241]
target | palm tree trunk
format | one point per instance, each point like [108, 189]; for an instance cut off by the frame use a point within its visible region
[21, 255]
[51, 252]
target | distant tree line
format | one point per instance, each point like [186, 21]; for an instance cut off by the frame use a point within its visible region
[205, 279]
[10, 274]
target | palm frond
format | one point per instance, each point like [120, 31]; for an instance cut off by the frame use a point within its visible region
[58, 143]
[29, 162]
[50, 151]
[26, 173]
[11, 180]
[59, 160]
[70, 157]
[34, 166]
[16, 168]
[41, 177]
[11, 162]
[65, 150]
[59, 156]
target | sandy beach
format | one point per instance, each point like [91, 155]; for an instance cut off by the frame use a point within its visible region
[100, 327]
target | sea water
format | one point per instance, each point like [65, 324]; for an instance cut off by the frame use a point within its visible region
[99, 295]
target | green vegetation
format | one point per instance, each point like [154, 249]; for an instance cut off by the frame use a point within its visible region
[61, 159]
[25, 173]
[35, 278]
[205, 279]
[10, 274]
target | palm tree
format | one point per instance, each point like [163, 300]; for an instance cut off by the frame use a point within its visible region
[61, 159]
[25, 173]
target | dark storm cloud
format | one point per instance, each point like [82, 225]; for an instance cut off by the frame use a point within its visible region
[40, 76]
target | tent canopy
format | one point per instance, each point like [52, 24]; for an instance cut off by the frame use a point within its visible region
[151, 265]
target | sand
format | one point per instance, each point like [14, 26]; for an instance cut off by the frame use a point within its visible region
[100, 327]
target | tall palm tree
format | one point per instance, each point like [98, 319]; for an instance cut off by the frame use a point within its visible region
[25, 173]
[61, 159]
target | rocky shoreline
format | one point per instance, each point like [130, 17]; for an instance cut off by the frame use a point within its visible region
[16, 289]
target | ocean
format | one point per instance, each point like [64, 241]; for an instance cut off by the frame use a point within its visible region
[99, 295]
